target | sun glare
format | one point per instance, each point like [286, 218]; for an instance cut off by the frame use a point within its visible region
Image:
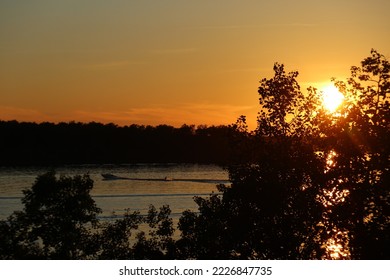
[332, 98]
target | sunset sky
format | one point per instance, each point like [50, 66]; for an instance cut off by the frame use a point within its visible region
[174, 61]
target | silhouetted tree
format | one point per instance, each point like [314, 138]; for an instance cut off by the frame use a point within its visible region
[59, 221]
[56, 221]
[359, 137]
[123, 239]
[158, 242]
[306, 177]
[270, 210]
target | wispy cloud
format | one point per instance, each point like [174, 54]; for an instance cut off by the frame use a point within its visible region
[110, 65]
[224, 27]
[174, 51]
[291, 24]
[174, 115]
[221, 27]
[246, 70]
[23, 114]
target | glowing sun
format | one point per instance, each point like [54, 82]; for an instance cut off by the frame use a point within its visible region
[332, 98]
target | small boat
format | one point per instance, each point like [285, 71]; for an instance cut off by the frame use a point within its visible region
[109, 176]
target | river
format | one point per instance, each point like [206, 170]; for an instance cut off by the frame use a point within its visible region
[138, 186]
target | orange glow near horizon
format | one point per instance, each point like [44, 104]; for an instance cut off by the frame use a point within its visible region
[176, 62]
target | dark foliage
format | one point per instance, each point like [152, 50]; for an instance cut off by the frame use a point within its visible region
[59, 221]
[270, 210]
[123, 239]
[56, 221]
[361, 136]
[50, 144]
[308, 183]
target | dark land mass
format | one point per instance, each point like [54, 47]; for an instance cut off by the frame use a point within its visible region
[27, 143]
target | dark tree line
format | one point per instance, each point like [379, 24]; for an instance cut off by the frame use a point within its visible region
[306, 184]
[24, 143]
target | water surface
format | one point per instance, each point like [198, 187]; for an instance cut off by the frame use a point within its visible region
[140, 186]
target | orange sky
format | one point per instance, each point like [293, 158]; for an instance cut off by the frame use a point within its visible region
[172, 62]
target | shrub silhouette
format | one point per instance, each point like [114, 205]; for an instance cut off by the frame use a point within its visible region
[56, 221]
[60, 221]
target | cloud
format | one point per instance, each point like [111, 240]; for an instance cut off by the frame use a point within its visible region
[174, 51]
[249, 69]
[221, 27]
[176, 115]
[291, 24]
[22, 114]
[110, 65]
[204, 113]
[218, 27]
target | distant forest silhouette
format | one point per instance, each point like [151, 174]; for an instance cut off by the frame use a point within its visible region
[306, 184]
[27, 143]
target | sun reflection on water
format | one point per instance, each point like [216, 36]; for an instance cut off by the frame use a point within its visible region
[336, 248]
[337, 245]
[334, 196]
[330, 160]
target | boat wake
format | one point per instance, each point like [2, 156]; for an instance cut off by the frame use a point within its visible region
[109, 176]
